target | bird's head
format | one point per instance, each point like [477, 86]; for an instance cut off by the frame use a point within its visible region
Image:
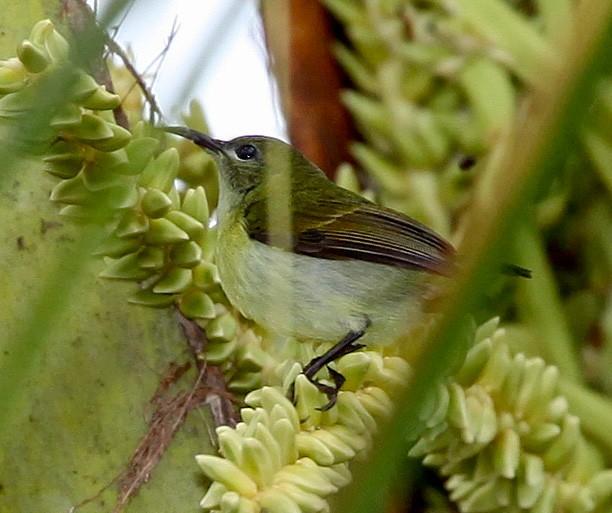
[247, 163]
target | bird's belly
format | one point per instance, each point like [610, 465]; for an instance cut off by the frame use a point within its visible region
[313, 298]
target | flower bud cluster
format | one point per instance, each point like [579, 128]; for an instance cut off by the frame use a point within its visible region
[434, 83]
[285, 457]
[158, 237]
[502, 437]
[41, 50]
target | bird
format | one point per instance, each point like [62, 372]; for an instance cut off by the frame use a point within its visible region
[306, 258]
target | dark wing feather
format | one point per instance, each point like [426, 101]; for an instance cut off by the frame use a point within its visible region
[327, 228]
[378, 235]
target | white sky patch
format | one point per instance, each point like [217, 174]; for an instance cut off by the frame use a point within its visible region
[218, 57]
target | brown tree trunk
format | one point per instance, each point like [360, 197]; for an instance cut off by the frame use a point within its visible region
[299, 35]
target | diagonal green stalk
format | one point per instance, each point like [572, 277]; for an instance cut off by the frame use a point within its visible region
[530, 156]
[540, 305]
[594, 410]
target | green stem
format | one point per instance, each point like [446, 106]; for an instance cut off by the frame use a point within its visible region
[539, 303]
[594, 410]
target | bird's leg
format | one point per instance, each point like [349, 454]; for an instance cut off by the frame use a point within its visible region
[345, 346]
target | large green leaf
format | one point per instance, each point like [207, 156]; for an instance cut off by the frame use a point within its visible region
[78, 365]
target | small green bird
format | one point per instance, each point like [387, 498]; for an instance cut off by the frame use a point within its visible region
[306, 258]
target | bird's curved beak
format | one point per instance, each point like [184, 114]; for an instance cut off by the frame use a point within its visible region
[202, 140]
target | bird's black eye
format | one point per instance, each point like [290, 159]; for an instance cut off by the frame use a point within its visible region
[247, 152]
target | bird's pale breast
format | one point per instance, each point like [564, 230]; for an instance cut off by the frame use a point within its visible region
[313, 298]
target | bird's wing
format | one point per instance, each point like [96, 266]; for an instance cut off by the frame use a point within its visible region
[332, 229]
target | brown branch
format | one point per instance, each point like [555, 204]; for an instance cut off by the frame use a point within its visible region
[299, 35]
[114, 47]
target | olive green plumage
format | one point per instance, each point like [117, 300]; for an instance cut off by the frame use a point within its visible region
[306, 258]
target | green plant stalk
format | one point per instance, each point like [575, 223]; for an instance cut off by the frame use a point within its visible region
[529, 158]
[594, 410]
[601, 155]
[539, 303]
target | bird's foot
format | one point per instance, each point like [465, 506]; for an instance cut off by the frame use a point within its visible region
[330, 391]
[345, 346]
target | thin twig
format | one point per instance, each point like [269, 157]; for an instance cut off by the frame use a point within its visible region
[125, 59]
[115, 48]
[161, 57]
